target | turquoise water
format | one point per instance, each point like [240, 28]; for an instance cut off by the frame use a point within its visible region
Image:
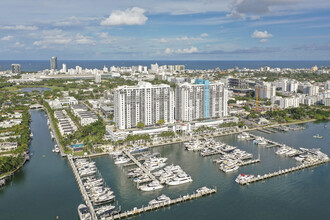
[45, 187]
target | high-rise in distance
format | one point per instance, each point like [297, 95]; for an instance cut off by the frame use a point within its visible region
[53, 63]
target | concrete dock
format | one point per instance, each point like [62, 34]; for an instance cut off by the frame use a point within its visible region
[143, 168]
[283, 172]
[144, 209]
[82, 188]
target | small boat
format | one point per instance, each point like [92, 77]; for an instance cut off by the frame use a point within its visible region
[84, 213]
[318, 136]
[56, 149]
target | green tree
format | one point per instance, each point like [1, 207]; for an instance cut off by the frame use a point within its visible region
[140, 125]
[160, 122]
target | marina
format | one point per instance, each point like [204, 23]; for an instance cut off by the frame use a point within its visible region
[276, 192]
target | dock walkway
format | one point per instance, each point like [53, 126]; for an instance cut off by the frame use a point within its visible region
[82, 188]
[283, 172]
[145, 170]
[248, 162]
[143, 209]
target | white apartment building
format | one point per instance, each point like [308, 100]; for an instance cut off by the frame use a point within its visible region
[145, 103]
[265, 90]
[309, 89]
[200, 101]
[289, 103]
[327, 85]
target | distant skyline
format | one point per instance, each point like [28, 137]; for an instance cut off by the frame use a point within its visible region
[165, 30]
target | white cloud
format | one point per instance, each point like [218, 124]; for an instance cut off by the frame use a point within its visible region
[131, 16]
[6, 38]
[254, 17]
[261, 34]
[263, 40]
[58, 37]
[181, 51]
[53, 37]
[105, 38]
[20, 27]
[67, 22]
[236, 14]
[168, 51]
[163, 40]
[81, 39]
[18, 44]
[184, 38]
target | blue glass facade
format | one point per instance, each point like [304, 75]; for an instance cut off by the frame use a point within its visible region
[206, 104]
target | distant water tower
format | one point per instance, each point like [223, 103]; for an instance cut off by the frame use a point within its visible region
[53, 63]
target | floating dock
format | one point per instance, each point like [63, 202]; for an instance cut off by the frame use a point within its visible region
[283, 172]
[137, 211]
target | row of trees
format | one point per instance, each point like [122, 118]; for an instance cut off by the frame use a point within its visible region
[300, 113]
[8, 164]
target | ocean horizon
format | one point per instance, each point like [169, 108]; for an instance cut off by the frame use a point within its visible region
[37, 65]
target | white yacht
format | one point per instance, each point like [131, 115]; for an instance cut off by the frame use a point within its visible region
[154, 166]
[160, 200]
[103, 199]
[203, 189]
[104, 209]
[227, 168]
[243, 136]
[243, 178]
[260, 141]
[84, 213]
[122, 160]
[56, 149]
[154, 185]
[227, 148]
[282, 151]
[180, 179]
[142, 178]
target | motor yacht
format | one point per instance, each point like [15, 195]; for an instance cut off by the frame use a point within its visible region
[160, 200]
[84, 213]
[180, 179]
[154, 185]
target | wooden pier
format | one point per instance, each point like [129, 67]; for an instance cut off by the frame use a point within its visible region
[137, 211]
[283, 172]
[82, 188]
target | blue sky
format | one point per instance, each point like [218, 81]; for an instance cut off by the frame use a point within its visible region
[167, 29]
